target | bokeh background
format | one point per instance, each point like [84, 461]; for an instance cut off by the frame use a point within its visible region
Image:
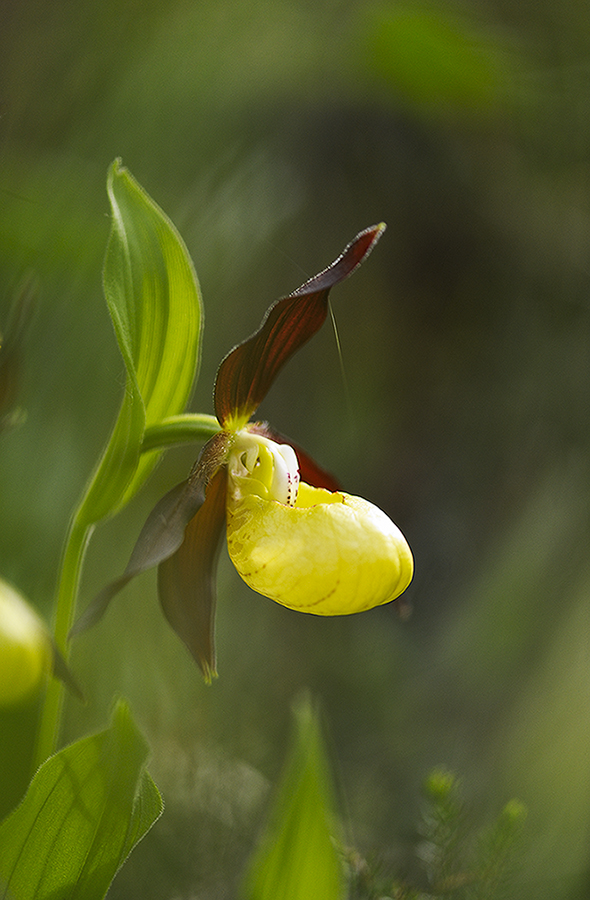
[271, 131]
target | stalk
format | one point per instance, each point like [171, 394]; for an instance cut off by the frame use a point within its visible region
[65, 609]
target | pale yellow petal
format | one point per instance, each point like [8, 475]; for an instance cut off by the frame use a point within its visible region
[330, 554]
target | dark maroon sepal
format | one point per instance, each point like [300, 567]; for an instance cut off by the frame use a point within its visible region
[164, 529]
[247, 372]
[186, 580]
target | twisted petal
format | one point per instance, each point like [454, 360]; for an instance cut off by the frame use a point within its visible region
[331, 554]
[186, 580]
[164, 530]
[248, 371]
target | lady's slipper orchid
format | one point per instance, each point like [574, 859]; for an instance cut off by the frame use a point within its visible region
[291, 535]
[308, 548]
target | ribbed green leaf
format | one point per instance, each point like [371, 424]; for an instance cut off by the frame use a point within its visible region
[85, 810]
[155, 304]
[297, 858]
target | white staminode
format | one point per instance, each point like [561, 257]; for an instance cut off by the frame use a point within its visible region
[261, 466]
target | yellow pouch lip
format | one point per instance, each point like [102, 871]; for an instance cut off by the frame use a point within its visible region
[329, 554]
[308, 496]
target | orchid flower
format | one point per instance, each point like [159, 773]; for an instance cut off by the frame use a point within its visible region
[291, 534]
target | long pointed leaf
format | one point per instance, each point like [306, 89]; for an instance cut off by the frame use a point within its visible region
[248, 371]
[85, 810]
[155, 304]
[297, 858]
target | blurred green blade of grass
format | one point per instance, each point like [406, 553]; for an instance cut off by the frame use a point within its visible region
[297, 858]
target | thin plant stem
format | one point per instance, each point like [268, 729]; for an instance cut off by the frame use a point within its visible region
[181, 429]
[171, 431]
[72, 560]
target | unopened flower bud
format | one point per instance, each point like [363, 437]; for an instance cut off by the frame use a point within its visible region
[25, 648]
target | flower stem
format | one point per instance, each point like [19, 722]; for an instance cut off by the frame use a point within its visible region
[180, 429]
[73, 557]
[173, 430]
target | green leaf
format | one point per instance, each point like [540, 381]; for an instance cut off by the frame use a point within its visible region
[297, 858]
[153, 297]
[437, 61]
[85, 810]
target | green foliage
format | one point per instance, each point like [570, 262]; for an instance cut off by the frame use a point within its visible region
[436, 61]
[444, 832]
[155, 304]
[85, 810]
[153, 296]
[297, 858]
[495, 859]
[457, 860]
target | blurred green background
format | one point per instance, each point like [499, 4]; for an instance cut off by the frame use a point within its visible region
[271, 131]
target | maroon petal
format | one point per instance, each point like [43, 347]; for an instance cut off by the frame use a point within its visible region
[248, 371]
[186, 580]
[312, 473]
[163, 532]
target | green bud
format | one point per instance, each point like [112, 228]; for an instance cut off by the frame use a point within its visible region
[25, 648]
[440, 784]
[513, 815]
